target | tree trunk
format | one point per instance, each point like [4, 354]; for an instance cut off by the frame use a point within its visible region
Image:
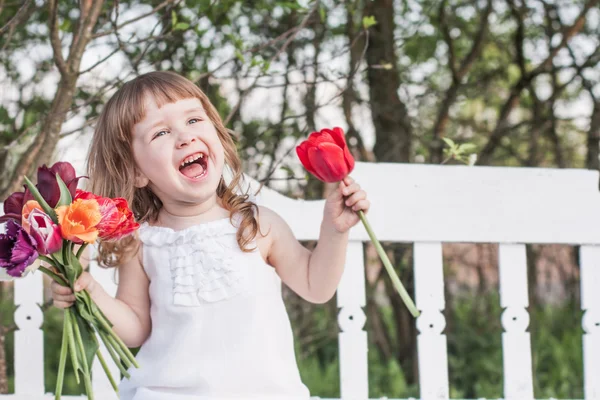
[393, 135]
[42, 148]
[593, 140]
[393, 131]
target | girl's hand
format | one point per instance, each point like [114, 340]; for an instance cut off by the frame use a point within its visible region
[63, 296]
[342, 205]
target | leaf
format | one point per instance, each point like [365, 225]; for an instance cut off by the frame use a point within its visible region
[240, 56]
[181, 26]
[467, 147]
[65, 195]
[38, 197]
[322, 14]
[369, 21]
[265, 67]
[65, 26]
[173, 18]
[449, 142]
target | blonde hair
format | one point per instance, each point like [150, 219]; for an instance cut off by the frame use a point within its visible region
[112, 169]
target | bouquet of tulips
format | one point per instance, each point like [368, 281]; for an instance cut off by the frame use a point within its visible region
[327, 157]
[53, 222]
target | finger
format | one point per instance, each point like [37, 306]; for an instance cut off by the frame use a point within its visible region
[83, 282]
[353, 188]
[67, 299]
[362, 205]
[59, 289]
[348, 180]
[355, 198]
[62, 304]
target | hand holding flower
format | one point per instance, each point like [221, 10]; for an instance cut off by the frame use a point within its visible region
[325, 155]
[342, 205]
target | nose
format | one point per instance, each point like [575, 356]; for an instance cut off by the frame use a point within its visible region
[184, 139]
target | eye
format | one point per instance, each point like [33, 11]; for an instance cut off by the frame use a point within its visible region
[159, 134]
[194, 120]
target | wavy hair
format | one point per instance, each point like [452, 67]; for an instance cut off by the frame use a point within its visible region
[112, 169]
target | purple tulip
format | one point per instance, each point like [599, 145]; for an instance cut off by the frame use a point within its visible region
[45, 232]
[17, 250]
[13, 205]
[48, 185]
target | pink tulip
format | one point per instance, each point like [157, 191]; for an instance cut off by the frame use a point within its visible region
[45, 232]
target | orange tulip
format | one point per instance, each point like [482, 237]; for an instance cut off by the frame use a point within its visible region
[78, 220]
[27, 209]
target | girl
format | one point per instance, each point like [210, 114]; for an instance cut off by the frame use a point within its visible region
[200, 286]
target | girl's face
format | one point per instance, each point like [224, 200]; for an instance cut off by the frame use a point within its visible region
[178, 153]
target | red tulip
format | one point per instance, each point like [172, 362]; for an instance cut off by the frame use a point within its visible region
[325, 155]
[117, 219]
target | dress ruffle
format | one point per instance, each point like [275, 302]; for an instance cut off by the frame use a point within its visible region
[201, 260]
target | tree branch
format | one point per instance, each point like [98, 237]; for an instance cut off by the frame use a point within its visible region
[447, 39]
[513, 99]
[436, 146]
[55, 39]
[18, 18]
[154, 10]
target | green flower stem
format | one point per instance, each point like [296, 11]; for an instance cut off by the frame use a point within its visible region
[113, 354]
[100, 317]
[80, 250]
[71, 341]
[86, 368]
[107, 371]
[59, 279]
[388, 266]
[62, 360]
[119, 351]
[79, 343]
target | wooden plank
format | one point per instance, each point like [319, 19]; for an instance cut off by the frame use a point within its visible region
[516, 342]
[353, 347]
[431, 342]
[433, 203]
[29, 338]
[590, 302]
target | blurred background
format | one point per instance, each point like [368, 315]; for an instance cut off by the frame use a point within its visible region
[509, 82]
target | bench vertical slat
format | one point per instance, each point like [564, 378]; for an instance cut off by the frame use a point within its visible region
[516, 341]
[351, 298]
[29, 338]
[102, 387]
[431, 343]
[590, 303]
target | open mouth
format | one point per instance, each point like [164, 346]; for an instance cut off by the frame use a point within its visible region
[194, 166]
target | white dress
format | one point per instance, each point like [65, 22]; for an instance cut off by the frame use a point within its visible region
[220, 329]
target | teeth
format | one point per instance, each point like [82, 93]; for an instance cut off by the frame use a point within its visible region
[191, 158]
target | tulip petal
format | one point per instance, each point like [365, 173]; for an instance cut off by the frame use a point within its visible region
[14, 203]
[349, 159]
[6, 244]
[328, 162]
[323, 136]
[65, 170]
[302, 151]
[337, 134]
[6, 217]
[23, 249]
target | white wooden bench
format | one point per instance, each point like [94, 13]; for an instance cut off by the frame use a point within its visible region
[425, 205]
